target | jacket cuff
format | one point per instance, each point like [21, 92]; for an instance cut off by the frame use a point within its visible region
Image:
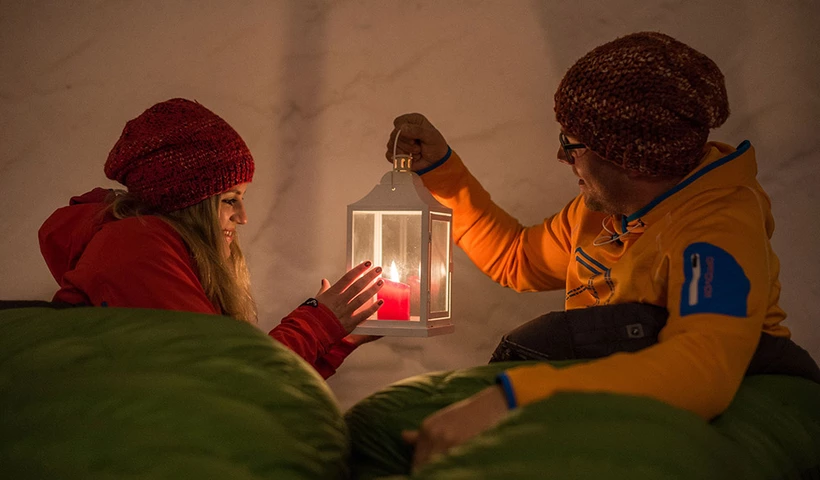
[504, 381]
[530, 383]
[346, 346]
[327, 326]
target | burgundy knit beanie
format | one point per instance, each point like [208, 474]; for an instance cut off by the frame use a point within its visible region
[645, 102]
[178, 153]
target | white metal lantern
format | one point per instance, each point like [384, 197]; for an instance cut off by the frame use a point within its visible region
[400, 226]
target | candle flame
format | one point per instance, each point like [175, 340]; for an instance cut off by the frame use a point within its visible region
[394, 272]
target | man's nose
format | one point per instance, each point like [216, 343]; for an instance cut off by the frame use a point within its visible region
[562, 157]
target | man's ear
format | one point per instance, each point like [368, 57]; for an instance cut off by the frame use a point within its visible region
[635, 175]
[665, 180]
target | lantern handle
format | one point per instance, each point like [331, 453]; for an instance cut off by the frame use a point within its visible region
[401, 163]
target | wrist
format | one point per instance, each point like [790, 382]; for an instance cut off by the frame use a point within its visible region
[348, 345]
[436, 164]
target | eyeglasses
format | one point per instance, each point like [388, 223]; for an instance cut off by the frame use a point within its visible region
[569, 147]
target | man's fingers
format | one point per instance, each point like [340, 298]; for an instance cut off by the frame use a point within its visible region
[426, 447]
[409, 118]
[409, 133]
[421, 455]
[427, 450]
[410, 436]
[408, 147]
[409, 138]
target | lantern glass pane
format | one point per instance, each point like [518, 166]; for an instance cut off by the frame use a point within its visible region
[363, 237]
[439, 263]
[401, 243]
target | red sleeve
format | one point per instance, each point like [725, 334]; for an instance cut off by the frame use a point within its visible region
[138, 263]
[327, 365]
[144, 263]
[311, 332]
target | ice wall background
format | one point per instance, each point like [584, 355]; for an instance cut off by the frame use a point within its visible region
[313, 87]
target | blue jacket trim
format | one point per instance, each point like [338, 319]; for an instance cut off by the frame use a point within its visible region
[741, 149]
[598, 264]
[503, 380]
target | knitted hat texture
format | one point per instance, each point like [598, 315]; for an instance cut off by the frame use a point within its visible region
[645, 102]
[178, 153]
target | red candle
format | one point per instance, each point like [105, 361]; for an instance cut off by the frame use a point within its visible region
[396, 296]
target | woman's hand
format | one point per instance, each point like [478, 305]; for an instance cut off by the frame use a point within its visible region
[359, 340]
[354, 290]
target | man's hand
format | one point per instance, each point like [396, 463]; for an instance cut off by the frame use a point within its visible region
[418, 137]
[456, 424]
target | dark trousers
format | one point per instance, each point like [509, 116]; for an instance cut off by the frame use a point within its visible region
[597, 332]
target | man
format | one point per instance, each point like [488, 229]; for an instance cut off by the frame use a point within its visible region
[663, 218]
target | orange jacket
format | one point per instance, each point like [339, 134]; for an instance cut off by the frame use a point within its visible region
[700, 250]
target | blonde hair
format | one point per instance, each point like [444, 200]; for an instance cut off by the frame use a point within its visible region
[226, 281]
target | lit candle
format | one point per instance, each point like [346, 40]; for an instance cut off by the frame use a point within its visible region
[396, 296]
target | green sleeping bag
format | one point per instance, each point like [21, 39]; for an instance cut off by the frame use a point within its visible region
[770, 431]
[92, 393]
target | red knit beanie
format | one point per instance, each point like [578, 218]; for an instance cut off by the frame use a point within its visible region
[645, 102]
[178, 153]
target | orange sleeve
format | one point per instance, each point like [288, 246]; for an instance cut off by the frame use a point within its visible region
[522, 258]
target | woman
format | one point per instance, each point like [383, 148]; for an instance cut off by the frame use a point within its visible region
[170, 240]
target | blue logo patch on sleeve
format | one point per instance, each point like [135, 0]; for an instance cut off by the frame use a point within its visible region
[713, 282]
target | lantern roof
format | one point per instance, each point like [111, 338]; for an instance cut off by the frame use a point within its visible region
[400, 190]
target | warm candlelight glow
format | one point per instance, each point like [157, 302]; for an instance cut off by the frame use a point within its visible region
[396, 296]
[394, 272]
[405, 230]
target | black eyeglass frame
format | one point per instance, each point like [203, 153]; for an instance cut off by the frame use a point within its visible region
[569, 147]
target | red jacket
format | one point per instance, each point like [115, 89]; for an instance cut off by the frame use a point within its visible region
[144, 263]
